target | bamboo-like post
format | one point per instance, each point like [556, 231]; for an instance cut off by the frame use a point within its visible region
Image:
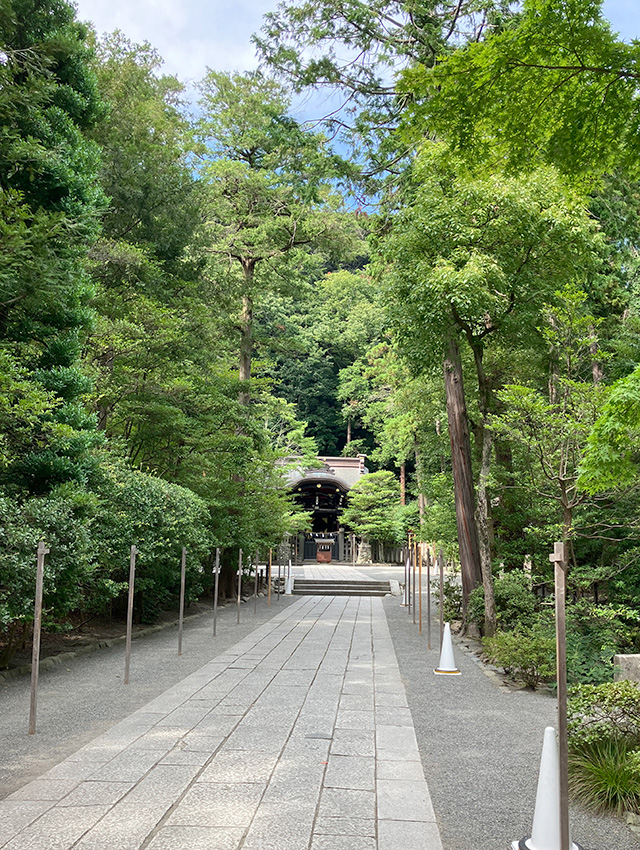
[279, 575]
[269, 579]
[183, 570]
[413, 577]
[420, 588]
[559, 561]
[255, 585]
[441, 559]
[132, 577]
[37, 625]
[239, 583]
[216, 581]
[428, 598]
[409, 575]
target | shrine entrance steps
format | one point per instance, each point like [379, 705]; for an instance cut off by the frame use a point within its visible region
[329, 587]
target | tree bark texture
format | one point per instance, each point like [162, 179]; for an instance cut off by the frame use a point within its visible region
[462, 471]
[246, 332]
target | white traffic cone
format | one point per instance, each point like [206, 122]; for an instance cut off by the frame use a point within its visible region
[447, 664]
[545, 834]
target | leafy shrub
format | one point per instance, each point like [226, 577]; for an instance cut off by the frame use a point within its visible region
[595, 633]
[604, 775]
[599, 712]
[452, 606]
[526, 655]
[159, 518]
[515, 603]
[62, 519]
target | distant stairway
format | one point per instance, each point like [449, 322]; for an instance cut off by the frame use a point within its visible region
[317, 587]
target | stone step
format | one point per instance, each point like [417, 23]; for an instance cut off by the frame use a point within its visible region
[315, 587]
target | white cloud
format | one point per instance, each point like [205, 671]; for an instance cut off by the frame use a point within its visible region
[189, 35]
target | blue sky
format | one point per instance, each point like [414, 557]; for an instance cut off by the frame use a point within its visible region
[193, 34]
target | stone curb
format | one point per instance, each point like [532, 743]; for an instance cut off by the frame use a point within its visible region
[88, 649]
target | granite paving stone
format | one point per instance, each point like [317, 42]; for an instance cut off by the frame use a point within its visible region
[296, 738]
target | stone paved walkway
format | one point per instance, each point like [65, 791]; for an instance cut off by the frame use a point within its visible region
[297, 738]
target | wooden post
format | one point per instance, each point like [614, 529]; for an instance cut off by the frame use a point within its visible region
[413, 578]
[216, 581]
[132, 577]
[353, 549]
[239, 582]
[279, 575]
[269, 580]
[428, 598]
[183, 570]
[441, 597]
[558, 559]
[420, 588]
[409, 575]
[37, 624]
[255, 586]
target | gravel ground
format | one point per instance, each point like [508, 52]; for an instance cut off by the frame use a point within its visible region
[83, 698]
[480, 745]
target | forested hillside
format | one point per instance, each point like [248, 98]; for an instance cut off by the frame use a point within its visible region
[442, 275]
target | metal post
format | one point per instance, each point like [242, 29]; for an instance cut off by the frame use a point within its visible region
[279, 575]
[216, 572]
[413, 578]
[409, 576]
[255, 586]
[132, 576]
[269, 580]
[420, 588]
[428, 598]
[37, 623]
[239, 582]
[183, 568]
[441, 558]
[559, 561]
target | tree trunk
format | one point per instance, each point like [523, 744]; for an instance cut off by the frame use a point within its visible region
[348, 431]
[246, 332]
[403, 484]
[421, 499]
[484, 522]
[462, 472]
[484, 536]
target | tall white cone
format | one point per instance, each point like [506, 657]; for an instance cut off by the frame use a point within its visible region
[447, 664]
[545, 834]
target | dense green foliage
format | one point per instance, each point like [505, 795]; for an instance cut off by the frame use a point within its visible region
[187, 303]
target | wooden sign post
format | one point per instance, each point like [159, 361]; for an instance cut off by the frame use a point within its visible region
[132, 577]
[559, 561]
[183, 570]
[239, 582]
[216, 581]
[37, 626]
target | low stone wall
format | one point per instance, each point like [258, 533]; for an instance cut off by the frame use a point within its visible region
[626, 667]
